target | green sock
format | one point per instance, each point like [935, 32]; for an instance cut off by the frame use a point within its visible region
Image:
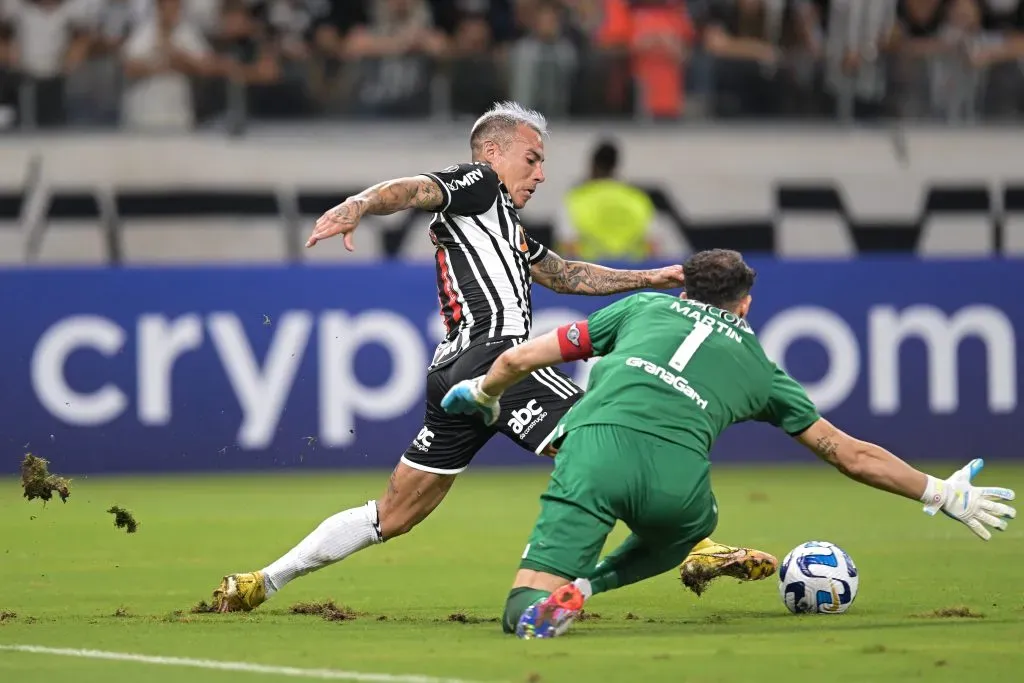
[605, 575]
[518, 600]
[636, 560]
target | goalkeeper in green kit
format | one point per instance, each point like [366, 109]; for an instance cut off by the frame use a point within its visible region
[674, 373]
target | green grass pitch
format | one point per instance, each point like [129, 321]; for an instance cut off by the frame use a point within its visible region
[427, 604]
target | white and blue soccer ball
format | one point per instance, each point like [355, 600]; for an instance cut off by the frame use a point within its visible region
[817, 577]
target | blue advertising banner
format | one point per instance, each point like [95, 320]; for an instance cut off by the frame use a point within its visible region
[229, 368]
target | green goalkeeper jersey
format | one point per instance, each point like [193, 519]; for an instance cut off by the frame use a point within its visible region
[683, 371]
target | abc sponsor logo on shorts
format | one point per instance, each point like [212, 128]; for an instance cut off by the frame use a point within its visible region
[526, 418]
[424, 440]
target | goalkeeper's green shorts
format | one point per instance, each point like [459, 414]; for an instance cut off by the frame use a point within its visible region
[606, 473]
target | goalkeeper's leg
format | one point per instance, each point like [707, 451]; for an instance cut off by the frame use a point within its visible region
[565, 543]
[577, 512]
[639, 557]
[710, 560]
[702, 562]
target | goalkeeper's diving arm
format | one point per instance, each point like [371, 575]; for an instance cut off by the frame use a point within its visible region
[873, 465]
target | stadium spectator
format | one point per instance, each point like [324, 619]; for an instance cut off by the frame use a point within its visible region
[476, 80]
[744, 37]
[449, 15]
[48, 41]
[94, 91]
[8, 86]
[605, 82]
[291, 27]
[332, 23]
[940, 59]
[914, 43]
[605, 219]
[257, 56]
[543, 62]
[394, 55]
[856, 33]
[660, 36]
[205, 15]
[955, 59]
[159, 58]
[997, 49]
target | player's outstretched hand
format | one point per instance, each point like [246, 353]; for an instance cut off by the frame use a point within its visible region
[975, 506]
[467, 398]
[339, 220]
[670, 277]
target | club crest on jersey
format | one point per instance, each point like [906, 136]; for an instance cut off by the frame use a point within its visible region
[521, 234]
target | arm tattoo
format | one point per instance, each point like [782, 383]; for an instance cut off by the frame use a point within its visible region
[578, 277]
[391, 196]
[392, 486]
[827, 449]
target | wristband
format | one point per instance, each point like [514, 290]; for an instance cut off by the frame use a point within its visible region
[934, 495]
[483, 394]
[574, 341]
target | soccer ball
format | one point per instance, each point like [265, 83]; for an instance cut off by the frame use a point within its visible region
[817, 577]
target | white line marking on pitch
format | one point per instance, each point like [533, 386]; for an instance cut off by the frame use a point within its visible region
[331, 674]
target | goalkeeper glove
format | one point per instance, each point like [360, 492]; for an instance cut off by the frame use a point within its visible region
[975, 506]
[468, 398]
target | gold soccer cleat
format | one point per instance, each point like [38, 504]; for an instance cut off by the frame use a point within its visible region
[240, 592]
[708, 560]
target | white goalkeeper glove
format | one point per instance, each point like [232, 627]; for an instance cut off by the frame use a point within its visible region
[468, 398]
[975, 506]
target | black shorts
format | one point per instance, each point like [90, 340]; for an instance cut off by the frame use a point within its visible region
[529, 412]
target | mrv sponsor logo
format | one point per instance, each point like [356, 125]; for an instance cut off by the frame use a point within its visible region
[466, 180]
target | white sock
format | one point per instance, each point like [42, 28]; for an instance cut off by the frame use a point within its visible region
[336, 538]
[585, 588]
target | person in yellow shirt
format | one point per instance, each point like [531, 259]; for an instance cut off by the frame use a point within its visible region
[605, 218]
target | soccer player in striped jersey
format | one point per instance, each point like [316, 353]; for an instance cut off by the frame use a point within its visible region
[485, 265]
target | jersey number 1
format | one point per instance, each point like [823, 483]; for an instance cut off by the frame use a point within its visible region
[685, 352]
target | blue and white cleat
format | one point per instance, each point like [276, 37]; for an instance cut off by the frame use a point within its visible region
[551, 616]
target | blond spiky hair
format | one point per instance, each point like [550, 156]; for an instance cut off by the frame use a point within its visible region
[500, 121]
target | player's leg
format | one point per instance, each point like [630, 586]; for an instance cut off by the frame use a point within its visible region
[709, 560]
[530, 412]
[577, 514]
[443, 448]
[410, 497]
[671, 508]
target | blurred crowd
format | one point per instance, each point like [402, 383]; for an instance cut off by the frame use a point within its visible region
[176, 64]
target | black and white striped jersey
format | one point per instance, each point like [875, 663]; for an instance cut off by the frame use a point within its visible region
[483, 258]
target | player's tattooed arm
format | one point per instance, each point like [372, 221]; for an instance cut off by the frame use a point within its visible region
[579, 277]
[388, 197]
[827, 449]
[391, 196]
